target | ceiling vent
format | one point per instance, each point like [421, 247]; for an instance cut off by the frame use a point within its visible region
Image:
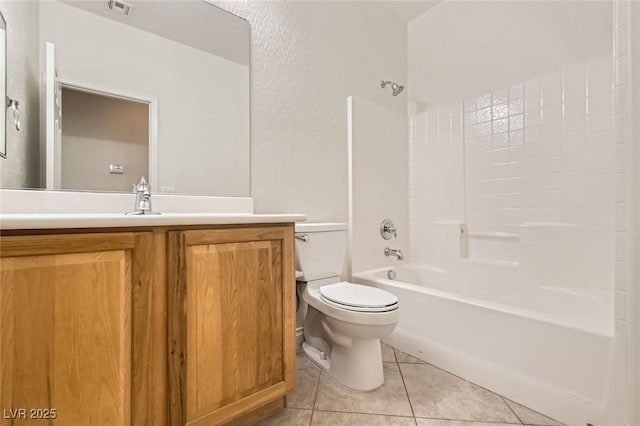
[121, 7]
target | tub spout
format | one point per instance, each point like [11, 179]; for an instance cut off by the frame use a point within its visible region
[394, 252]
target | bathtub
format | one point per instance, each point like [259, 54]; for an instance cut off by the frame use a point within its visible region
[548, 348]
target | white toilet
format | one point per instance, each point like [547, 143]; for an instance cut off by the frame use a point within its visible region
[344, 321]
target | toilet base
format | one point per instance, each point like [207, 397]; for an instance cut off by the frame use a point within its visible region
[357, 366]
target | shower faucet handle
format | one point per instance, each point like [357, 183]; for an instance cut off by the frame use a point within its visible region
[388, 230]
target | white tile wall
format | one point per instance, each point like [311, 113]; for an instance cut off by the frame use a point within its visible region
[563, 183]
[535, 160]
[622, 158]
[436, 183]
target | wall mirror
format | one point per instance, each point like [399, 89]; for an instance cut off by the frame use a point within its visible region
[3, 85]
[128, 89]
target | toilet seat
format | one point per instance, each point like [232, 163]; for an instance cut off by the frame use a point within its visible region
[358, 298]
[341, 312]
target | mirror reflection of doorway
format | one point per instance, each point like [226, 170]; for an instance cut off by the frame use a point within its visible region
[104, 141]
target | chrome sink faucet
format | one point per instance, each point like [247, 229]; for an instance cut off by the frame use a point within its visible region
[143, 198]
[394, 252]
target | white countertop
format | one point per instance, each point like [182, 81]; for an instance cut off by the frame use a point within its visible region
[94, 220]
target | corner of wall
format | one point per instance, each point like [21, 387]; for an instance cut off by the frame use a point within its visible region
[634, 288]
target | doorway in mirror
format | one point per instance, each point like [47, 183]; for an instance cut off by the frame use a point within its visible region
[105, 141]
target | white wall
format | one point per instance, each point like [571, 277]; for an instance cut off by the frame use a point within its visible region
[21, 168]
[202, 99]
[379, 183]
[517, 142]
[457, 49]
[634, 273]
[99, 131]
[306, 59]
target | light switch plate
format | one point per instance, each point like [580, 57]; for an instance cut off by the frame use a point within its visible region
[116, 169]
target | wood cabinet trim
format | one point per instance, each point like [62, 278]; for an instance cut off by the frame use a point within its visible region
[176, 338]
[58, 244]
[289, 311]
[149, 355]
[219, 236]
[259, 413]
[241, 407]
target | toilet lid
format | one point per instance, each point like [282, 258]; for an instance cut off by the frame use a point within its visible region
[359, 297]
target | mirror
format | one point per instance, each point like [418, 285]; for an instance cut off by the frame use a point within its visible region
[135, 88]
[3, 85]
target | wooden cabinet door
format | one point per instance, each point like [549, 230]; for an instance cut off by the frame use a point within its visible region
[232, 322]
[66, 320]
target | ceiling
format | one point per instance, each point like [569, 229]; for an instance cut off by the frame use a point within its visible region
[408, 10]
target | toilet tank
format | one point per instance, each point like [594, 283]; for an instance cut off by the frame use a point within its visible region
[322, 255]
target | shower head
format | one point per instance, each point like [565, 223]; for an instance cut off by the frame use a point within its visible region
[395, 87]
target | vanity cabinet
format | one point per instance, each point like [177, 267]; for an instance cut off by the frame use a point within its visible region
[162, 326]
[72, 314]
[232, 336]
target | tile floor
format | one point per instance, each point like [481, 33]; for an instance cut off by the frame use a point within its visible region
[414, 393]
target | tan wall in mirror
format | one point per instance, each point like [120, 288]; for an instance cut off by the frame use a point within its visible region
[199, 95]
[98, 131]
[21, 168]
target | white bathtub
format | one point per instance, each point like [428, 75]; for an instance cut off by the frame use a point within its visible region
[547, 348]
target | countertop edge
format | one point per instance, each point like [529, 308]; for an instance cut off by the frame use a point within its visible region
[76, 221]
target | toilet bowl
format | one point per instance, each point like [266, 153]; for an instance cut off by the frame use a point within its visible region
[344, 321]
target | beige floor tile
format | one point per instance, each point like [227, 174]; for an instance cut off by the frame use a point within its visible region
[438, 422]
[327, 418]
[530, 417]
[437, 394]
[288, 417]
[307, 383]
[390, 398]
[387, 353]
[405, 357]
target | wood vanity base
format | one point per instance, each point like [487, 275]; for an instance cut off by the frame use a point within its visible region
[261, 413]
[191, 325]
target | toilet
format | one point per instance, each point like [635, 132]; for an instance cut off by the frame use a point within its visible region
[344, 322]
